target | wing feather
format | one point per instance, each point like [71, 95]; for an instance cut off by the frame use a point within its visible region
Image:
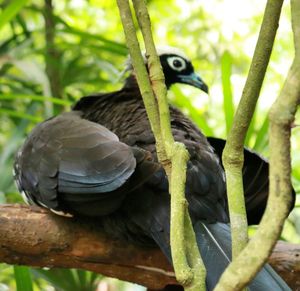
[68, 159]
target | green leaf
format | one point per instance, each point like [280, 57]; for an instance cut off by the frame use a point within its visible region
[13, 140]
[61, 279]
[21, 115]
[262, 136]
[40, 98]
[23, 278]
[226, 64]
[250, 131]
[82, 277]
[181, 101]
[110, 45]
[34, 72]
[10, 11]
[2, 198]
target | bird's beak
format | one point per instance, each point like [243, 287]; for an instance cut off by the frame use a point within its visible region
[194, 80]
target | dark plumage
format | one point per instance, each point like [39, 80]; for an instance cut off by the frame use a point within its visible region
[99, 160]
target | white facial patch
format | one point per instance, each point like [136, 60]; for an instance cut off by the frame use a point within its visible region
[169, 50]
[161, 50]
[176, 63]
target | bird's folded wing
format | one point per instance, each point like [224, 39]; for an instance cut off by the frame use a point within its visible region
[68, 160]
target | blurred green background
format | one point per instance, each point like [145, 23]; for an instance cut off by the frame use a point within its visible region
[51, 56]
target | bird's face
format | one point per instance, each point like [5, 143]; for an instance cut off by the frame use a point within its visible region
[176, 66]
[178, 69]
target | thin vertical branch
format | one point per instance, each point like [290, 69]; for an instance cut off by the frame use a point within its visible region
[52, 55]
[155, 72]
[185, 253]
[141, 74]
[173, 156]
[281, 116]
[233, 158]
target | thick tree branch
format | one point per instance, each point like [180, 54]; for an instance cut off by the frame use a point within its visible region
[35, 237]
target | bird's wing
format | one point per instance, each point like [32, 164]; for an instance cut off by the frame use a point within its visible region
[205, 182]
[255, 178]
[68, 163]
[204, 190]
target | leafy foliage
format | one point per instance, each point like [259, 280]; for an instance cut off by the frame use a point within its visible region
[90, 53]
[23, 278]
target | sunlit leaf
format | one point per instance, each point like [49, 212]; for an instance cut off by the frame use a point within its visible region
[262, 136]
[21, 115]
[226, 63]
[23, 278]
[35, 73]
[13, 140]
[112, 46]
[10, 11]
[251, 131]
[68, 279]
[183, 101]
[40, 98]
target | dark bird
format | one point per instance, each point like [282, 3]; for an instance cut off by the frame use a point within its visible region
[99, 160]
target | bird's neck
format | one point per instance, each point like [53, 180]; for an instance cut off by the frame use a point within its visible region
[131, 82]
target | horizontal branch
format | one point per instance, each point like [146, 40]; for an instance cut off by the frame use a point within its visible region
[32, 236]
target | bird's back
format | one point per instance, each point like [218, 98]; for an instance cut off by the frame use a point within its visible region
[123, 113]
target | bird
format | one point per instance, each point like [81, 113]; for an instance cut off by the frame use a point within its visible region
[99, 160]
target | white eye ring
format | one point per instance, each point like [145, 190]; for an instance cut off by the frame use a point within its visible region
[176, 63]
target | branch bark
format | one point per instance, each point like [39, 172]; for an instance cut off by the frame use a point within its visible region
[233, 158]
[35, 237]
[52, 55]
[187, 262]
[281, 117]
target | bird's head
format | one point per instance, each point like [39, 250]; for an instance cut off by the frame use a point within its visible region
[177, 68]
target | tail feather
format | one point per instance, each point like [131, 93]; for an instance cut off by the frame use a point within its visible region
[215, 248]
[268, 279]
[214, 242]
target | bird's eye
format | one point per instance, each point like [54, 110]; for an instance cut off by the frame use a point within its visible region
[177, 63]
